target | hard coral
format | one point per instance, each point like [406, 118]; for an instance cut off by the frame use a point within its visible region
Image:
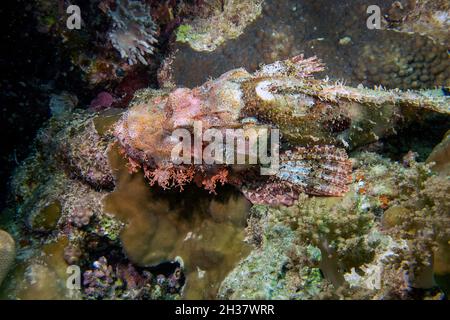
[425, 225]
[418, 63]
[7, 254]
[225, 20]
[267, 272]
[81, 216]
[339, 231]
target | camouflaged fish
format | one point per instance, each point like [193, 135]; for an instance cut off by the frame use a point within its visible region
[318, 120]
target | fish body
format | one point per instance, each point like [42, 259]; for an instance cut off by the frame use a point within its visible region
[318, 121]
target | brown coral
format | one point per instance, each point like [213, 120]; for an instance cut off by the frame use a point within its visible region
[7, 253]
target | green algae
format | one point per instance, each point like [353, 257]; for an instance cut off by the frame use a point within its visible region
[183, 33]
[204, 230]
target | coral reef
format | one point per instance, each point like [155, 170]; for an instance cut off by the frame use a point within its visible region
[103, 100]
[265, 274]
[431, 18]
[225, 20]
[363, 245]
[206, 231]
[340, 231]
[46, 218]
[133, 31]
[65, 213]
[82, 196]
[116, 38]
[81, 216]
[425, 223]
[84, 152]
[125, 282]
[98, 281]
[381, 232]
[62, 104]
[77, 222]
[419, 63]
[7, 253]
[287, 28]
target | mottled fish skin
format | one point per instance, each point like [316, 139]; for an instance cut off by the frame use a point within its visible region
[318, 119]
[317, 170]
[310, 111]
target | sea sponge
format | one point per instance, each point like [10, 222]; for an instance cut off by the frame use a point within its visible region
[7, 253]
